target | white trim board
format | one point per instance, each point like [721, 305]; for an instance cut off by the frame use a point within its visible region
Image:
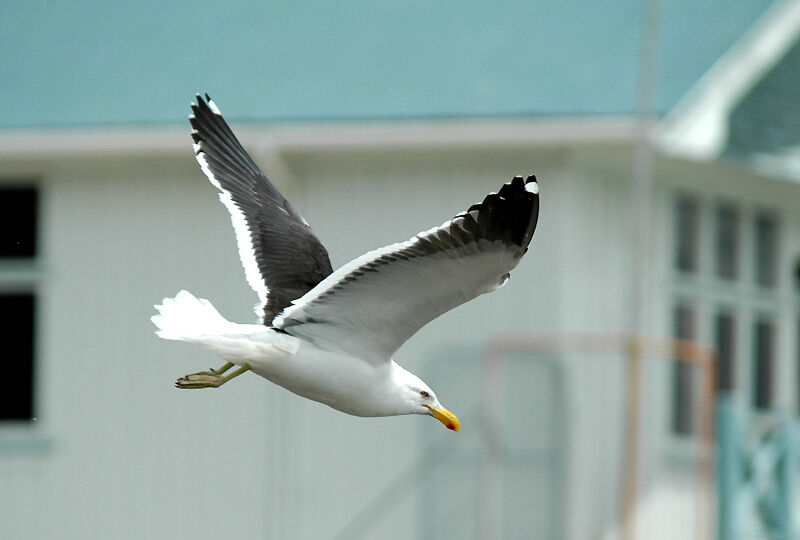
[279, 138]
[697, 126]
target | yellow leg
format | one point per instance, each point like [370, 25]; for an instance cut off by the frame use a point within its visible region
[223, 369]
[210, 379]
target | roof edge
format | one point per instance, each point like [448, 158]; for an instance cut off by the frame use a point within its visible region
[270, 139]
[697, 126]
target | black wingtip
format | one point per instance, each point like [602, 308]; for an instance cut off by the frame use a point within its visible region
[200, 104]
[516, 185]
[510, 215]
[195, 106]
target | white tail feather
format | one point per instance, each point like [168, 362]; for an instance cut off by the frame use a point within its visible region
[187, 318]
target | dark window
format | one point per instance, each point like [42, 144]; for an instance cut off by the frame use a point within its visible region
[686, 234]
[727, 242]
[682, 385]
[766, 250]
[763, 363]
[17, 334]
[797, 276]
[725, 341]
[797, 354]
[18, 222]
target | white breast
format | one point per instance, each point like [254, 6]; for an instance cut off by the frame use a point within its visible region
[338, 380]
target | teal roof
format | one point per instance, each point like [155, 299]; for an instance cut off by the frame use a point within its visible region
[767, 119]
[102, 62]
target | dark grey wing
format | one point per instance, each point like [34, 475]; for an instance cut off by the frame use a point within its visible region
[369, 307]
[282, 257]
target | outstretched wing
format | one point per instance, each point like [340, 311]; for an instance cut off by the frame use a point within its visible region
[282, 257]
[372, 305]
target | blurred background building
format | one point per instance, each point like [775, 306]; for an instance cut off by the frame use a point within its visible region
[665, 137]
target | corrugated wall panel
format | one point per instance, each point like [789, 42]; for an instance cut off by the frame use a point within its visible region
[132, 457]
[360, 202]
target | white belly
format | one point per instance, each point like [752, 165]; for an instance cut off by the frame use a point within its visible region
[338, 380]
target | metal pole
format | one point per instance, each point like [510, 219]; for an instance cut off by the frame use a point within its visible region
[707, 362]
[631, 464]
[728, 468]
[491, 492]
[642, 194]
[643, 158]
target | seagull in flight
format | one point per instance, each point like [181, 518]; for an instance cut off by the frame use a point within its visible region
[330, 336]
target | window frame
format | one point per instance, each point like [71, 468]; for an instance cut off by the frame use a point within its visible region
[772, 280]
[685, 202]
[740, 297]
[19, 192]
[21, 330]
[682, 379]
[24, 275]
[762, 381]
[727, 352]
[720, 272]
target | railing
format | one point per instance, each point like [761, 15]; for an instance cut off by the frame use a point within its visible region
[486, 487]
[758, 458]
[468, 492]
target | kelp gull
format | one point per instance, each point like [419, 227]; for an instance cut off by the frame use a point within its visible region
[330, 336]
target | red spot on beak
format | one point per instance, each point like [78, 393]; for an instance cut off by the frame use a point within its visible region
[451, 426]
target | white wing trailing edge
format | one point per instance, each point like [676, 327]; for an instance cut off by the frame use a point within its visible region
[282, 257]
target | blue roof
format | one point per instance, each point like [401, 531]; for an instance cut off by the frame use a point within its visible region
[101, 62]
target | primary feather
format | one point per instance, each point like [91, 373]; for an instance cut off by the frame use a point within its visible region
[282, 257]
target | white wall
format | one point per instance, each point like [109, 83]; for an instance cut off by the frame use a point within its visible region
[129, 456]
[119, 453]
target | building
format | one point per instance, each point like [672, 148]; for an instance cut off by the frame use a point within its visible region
[378, 121]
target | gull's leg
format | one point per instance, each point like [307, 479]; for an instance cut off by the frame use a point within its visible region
[211, 371]
[210, 379]
[223, 369]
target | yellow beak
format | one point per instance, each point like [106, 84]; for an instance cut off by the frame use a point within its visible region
[445, 417]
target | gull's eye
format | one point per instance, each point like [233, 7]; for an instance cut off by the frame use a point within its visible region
[424, 394]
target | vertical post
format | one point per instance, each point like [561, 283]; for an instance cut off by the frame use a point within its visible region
[631, 464]
[790, 476]
[706, 361]
[643, 162]
[490, 479]
[728, 471]
[642, 172]
[785, 471]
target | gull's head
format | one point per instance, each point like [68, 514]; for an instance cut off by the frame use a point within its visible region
[420, 399]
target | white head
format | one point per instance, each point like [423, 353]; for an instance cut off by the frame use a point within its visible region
[416, 397]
